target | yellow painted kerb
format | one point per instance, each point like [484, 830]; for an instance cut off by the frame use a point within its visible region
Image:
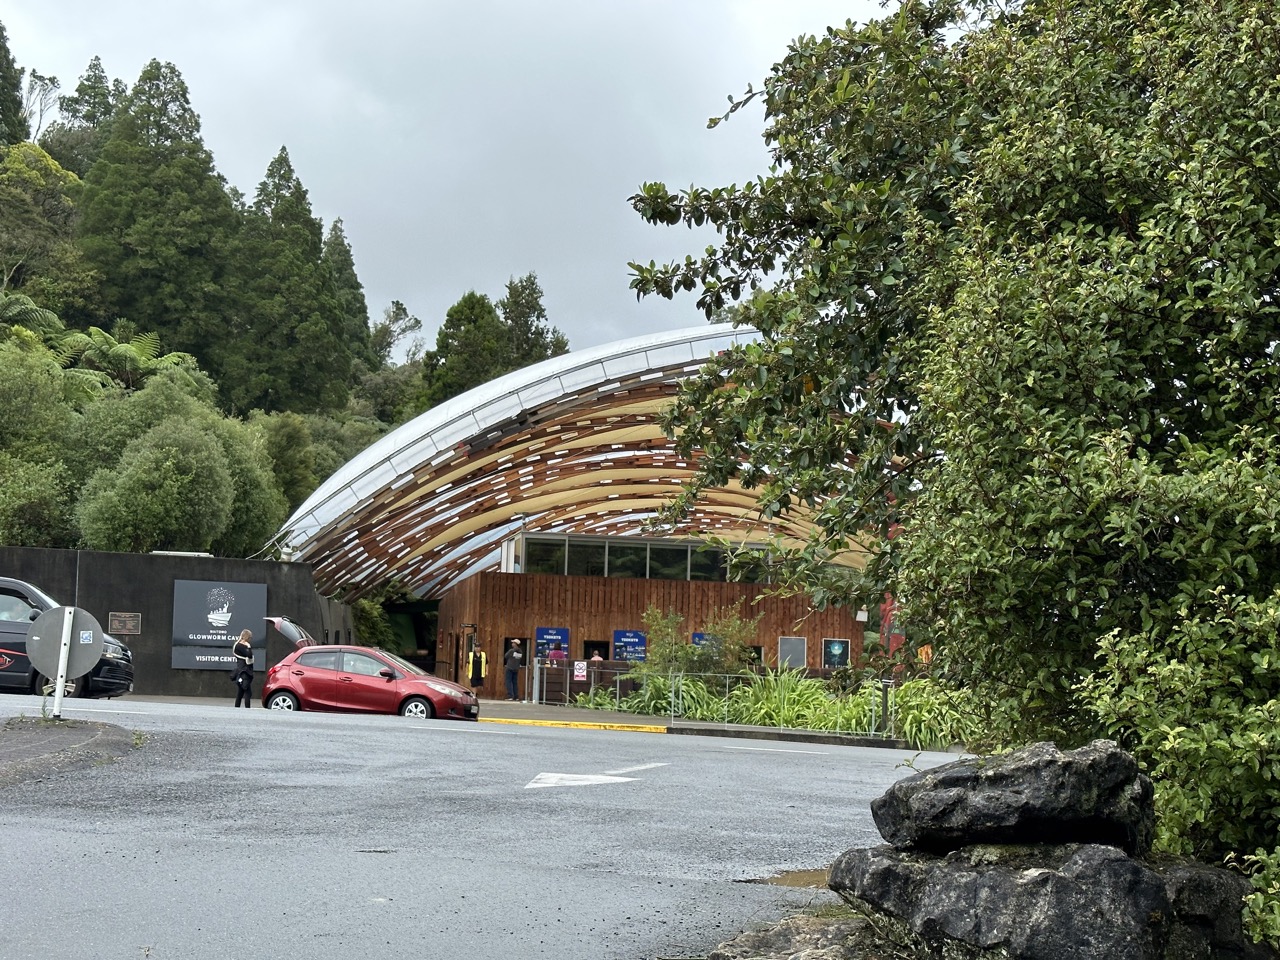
[635, 727]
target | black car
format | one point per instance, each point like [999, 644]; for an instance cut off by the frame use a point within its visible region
[20, 604]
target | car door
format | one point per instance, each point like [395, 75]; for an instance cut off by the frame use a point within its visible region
[362, 687]
[16, 609]
[313, 676]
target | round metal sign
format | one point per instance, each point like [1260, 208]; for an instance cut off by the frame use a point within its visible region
[44, 641]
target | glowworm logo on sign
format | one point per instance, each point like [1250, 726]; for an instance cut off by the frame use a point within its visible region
[208, 615]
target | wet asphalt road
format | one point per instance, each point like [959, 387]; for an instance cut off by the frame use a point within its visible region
[248, 834]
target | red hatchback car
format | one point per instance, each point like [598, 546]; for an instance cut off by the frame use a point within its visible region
[363, 680]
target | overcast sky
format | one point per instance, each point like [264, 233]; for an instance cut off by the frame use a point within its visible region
[464, 143]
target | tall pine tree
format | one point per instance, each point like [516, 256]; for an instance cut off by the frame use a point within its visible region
[157, 221]
[294, 353]
[75, 140]
[341, 265]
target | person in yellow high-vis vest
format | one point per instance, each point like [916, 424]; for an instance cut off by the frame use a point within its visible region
[477, 667]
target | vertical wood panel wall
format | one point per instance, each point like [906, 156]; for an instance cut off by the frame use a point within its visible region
[592, 608]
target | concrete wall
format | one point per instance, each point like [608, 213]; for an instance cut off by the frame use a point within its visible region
[102, 583]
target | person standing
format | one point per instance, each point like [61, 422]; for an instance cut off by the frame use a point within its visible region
[555, 653]
[477, 667]
[513, 661]
[243, 652]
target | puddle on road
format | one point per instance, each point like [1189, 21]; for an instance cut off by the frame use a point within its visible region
[796, 878]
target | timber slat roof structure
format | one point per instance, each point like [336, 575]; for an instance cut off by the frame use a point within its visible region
[571, 445]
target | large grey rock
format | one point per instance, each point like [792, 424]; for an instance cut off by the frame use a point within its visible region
[1062, 903]
[1040, 794]
[1070, 902]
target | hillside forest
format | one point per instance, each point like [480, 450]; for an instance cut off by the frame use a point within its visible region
[183, 363]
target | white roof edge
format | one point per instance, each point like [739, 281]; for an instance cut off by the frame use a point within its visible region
[312, 514]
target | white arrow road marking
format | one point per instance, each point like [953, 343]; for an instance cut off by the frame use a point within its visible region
[572, 780]
[643, 766]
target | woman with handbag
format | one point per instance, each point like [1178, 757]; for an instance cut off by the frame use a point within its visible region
[243, 672]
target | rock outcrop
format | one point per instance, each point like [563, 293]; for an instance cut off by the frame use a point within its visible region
[1038, 795]
[1039, 855]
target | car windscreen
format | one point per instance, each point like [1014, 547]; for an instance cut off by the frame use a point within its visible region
[405, 665]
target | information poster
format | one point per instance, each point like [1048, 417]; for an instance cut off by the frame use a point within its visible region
[208, 615]
[544, 637]
[835, 653]
[628, 645]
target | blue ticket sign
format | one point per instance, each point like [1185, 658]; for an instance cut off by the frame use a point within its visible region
[698, 639]
[544, 637]
[628, 645]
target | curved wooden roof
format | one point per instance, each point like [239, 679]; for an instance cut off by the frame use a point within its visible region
[567, 446]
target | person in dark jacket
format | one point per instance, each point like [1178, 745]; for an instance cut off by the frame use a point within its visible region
[512, 662]
[243, 652]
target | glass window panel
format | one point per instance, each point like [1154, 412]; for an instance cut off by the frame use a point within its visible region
[359, 663]
[586, 559]
[544, 556]
[668, 563]
[627, 560]
[319, 659]
[706, 564]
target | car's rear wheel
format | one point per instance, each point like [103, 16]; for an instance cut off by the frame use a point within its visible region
[282, 701]
[418, 708]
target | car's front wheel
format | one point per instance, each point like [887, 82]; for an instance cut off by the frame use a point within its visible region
[418, 708]
[282, 701]
[44, 686]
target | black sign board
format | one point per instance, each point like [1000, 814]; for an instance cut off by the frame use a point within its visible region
[208, 616]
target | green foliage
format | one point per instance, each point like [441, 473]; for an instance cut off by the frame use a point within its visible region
[170, 491]
[13, 124]
[258, 505]
[293, 459]
[931, 716]
[928, 714]
[293, 348]
[373, 626]
[36, 213]
[76, 139]
[1016, 279]
[1199, 703]
[34, 503]
[157, 223]
[128, 361]
[479, 341]
[1262, 912]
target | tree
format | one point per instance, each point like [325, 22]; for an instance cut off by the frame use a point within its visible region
[341, 266]
[288, 444]
[13, 124]
[75, 140]
[157, 223]
[170, 491]
[259, 506]
[35, 484]
[396, 324]
[532, 338]
[37, 216]
[471, 349]
[37, 101]
[291, 348]
[1027, 279]
[128, 361]
[479, 341]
